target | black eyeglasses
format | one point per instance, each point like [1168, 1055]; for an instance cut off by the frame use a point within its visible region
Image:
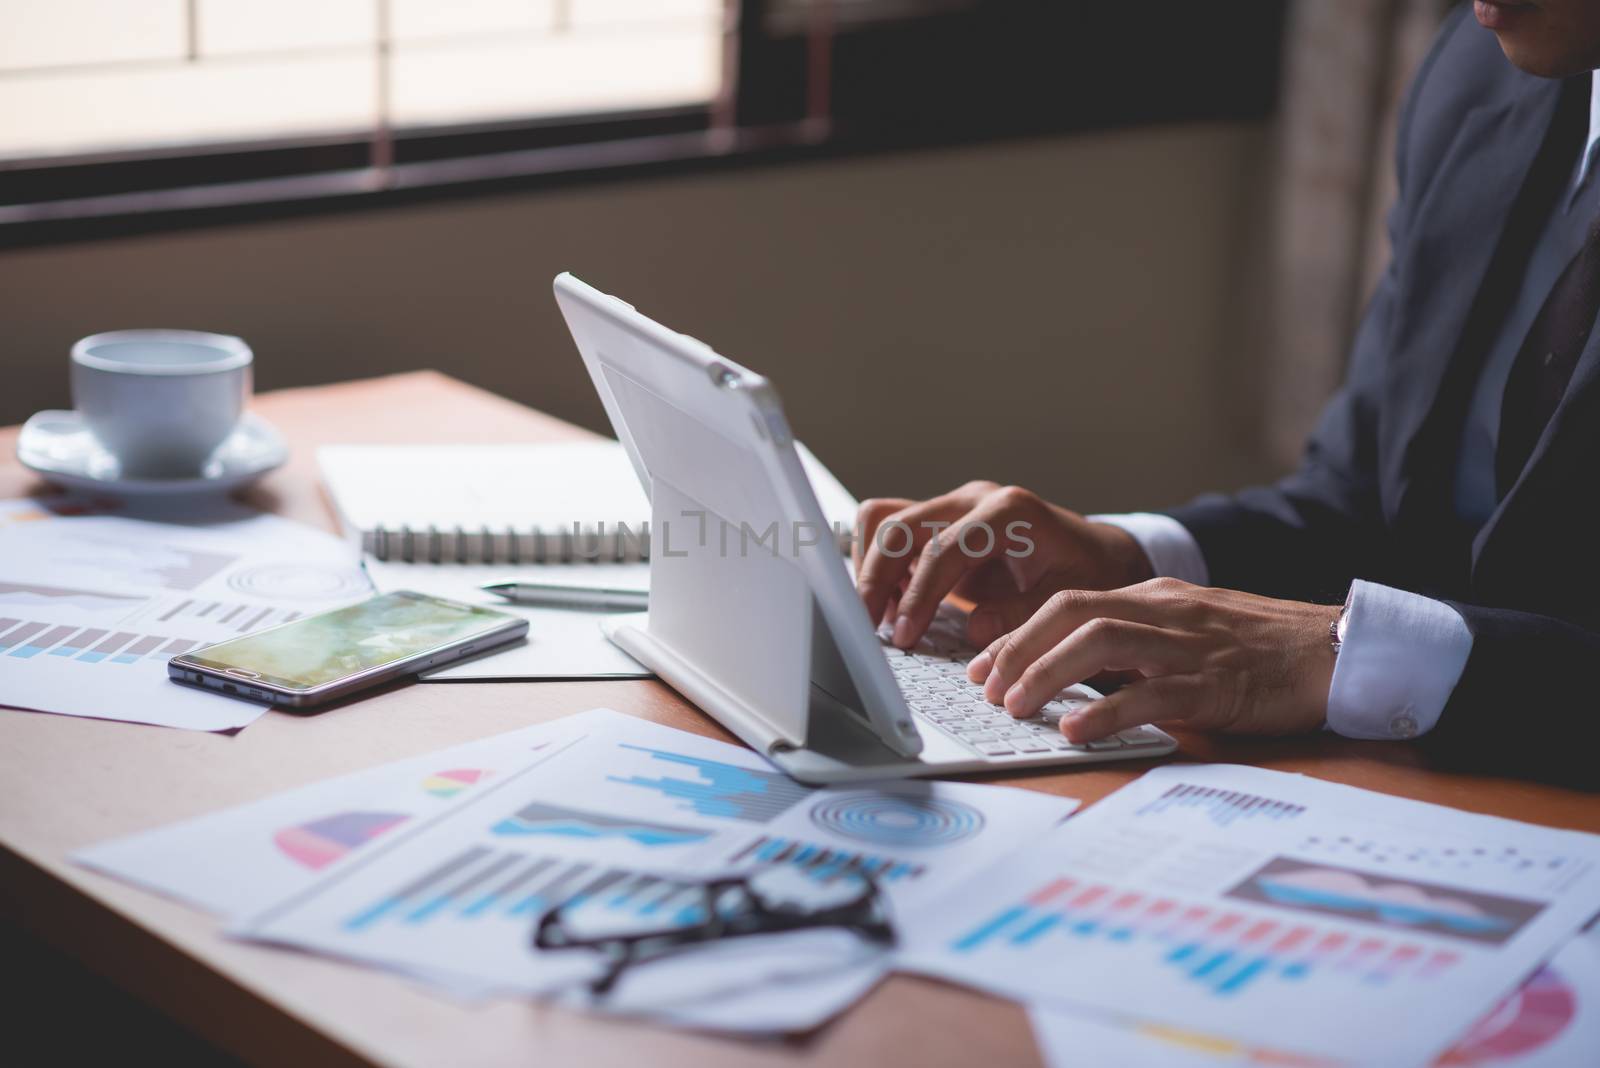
[770, 901]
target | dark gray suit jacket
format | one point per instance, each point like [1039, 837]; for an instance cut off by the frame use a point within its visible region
[1373, 496]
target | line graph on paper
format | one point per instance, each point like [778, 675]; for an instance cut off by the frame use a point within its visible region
[713, 788]
[1386, 901]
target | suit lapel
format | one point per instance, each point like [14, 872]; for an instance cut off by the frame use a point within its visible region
[1460, 225]
[1569, 414]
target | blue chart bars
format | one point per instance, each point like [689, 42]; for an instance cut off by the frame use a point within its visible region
[1222, 806]
[720, 789]
[483, 884]
[1228, 952]
[824, 862]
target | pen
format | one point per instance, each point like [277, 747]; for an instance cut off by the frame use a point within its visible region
[558, 596]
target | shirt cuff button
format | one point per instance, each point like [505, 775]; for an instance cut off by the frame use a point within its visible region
[1403, 727]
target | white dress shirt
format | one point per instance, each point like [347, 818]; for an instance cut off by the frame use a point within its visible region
[1403, 653]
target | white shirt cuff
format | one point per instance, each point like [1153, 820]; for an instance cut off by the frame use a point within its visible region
[1403, 654]
[1172, 550]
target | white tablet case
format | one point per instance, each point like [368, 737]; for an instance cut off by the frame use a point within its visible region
[753, 614]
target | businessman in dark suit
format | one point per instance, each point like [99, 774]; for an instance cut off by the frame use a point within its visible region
[1433, 567]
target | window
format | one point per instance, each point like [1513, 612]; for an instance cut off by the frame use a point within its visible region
[126, 115]
[92, 76]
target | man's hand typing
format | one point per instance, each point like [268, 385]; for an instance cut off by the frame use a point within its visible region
[1212, 659]
[1001, 547]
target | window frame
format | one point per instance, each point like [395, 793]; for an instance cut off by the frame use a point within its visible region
[787, 96]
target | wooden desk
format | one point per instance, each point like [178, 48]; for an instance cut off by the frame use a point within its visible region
[65, 783]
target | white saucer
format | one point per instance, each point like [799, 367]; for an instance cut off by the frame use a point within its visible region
[57, 445]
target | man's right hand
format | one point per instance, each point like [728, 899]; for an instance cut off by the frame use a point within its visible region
[1001, 547]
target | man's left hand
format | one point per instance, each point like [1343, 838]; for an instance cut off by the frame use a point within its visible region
[1211, 659]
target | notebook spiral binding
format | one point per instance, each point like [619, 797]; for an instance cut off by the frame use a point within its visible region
[457, 545]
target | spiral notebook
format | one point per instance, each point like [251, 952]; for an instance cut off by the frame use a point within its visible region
[573, 503]
[445, 519]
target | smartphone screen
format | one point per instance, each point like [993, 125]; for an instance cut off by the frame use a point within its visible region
[348, 641]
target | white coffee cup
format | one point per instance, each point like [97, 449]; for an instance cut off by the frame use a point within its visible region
[160, 401]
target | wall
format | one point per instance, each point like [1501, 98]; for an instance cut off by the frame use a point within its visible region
[1063, 313]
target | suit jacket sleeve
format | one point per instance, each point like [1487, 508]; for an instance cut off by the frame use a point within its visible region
[1308, 535]
[1525, 700]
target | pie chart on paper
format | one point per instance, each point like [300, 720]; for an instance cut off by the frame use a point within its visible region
[450, 783]
[1528, 1020]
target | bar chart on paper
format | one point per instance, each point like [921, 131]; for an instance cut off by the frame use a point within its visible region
[1223, 952]
[23, 639]
[484, 886]
[228, 617]
[822, 861]
[1220, 806]
[121, 629]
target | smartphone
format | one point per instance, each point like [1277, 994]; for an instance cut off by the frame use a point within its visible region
[324, 657]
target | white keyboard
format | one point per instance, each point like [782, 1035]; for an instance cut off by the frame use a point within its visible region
[933, 677]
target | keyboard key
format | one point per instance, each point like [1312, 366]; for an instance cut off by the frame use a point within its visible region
[1030, 745]
[996, 748]
[1112, 742]
[1139, 736]
[1054, 710]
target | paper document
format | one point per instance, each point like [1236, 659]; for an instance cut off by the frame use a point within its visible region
[240, 860]
[1552, 1021]
[640, 813]
[563, 643]
[1271, 910]
[93, 605]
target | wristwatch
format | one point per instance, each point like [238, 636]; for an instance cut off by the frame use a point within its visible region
[1340, 623]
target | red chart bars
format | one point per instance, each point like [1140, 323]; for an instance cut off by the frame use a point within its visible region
[1222, 949]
